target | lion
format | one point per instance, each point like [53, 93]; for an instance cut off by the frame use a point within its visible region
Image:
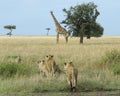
[71, 75]
[43, 67]
[52, 66]
[14, 59]
[18, 59]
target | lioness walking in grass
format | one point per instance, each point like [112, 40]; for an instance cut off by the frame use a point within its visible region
[71, 75]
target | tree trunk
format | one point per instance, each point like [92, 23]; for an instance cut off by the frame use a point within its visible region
[81, 39]
[10, 33]
[82, 33]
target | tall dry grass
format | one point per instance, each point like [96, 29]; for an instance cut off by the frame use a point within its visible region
[87, 57]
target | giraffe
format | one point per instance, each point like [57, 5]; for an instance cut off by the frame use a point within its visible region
[59, 29]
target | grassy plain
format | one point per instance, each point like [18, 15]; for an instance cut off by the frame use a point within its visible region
[94, 75]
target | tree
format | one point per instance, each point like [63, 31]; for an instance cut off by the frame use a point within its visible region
[48, 29]
[10, 27]
[81, 21]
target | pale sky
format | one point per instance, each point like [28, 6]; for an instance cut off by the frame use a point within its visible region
[32, 17]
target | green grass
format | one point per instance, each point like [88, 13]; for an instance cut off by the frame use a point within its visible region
[11, 69]
[97, 63]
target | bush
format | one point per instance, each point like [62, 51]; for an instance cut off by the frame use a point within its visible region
[112, 56]
[116, 69]
[12, 69]
[112, 59]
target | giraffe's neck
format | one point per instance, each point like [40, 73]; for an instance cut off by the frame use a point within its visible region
[55, 21]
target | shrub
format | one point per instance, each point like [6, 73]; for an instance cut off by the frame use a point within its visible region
[116, 69]
[12, 69]
[112, 56]
[112, 60]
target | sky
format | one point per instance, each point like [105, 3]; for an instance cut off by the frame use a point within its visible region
[32, 17]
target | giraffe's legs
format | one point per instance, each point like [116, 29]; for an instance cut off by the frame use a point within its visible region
[57, 38]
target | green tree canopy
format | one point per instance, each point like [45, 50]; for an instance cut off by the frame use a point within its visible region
[10, 27]
[81, 21]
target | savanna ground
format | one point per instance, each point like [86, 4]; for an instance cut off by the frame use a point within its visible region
[98, 62]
